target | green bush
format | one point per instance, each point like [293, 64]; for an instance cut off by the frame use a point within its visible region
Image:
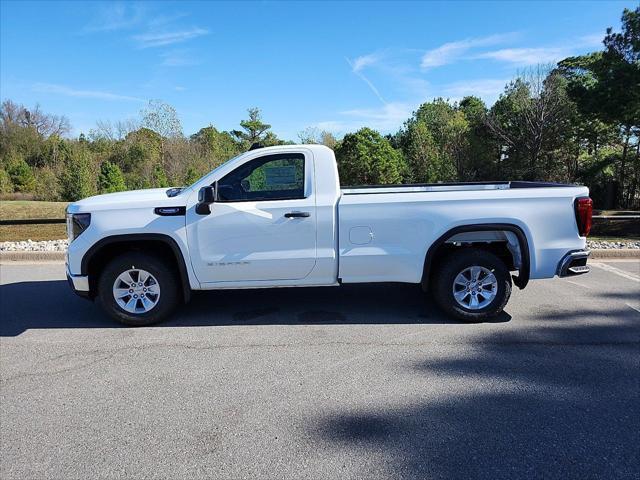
[191, 176]
[365, 157]
[160, 179]
[6, 185]
[78, 180]
[111, 178]
[21, 175]
[47, 185]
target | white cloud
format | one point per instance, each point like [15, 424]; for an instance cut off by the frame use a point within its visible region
[481, 87]
[527, 56]
[593, 40]
[160, 20]
[177, 58]
[356, 69]
[156, 39]
[115, 16]
[385, 119]
[72, 92]
[452, 51]
[363, 61]
[121, 16]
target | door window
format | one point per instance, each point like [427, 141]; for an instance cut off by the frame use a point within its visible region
[272, 177]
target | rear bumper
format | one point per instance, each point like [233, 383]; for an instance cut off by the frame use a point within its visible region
[78, 283]
[574, 263]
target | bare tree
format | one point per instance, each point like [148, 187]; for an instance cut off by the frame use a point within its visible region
[113, 130]
[313, 135]
[43, 124]
[532, 114]
[328, 139]
[10, 114]
[163, 119]
[46, 124]
[309, 135]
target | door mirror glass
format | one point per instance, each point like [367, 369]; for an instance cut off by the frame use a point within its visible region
[206, 196]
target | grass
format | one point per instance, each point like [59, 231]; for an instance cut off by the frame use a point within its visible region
[613, 213]
[601, 238]
[23, 209]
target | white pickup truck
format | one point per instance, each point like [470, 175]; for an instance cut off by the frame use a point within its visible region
[277, 217]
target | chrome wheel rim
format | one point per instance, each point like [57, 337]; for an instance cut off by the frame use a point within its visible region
[136, 291]
[475, 287]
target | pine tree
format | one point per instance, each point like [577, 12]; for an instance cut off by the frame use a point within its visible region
[111, 178]
[78, 180]
[255, 130]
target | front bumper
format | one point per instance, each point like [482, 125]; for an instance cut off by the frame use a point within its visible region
[79, 283]
[574, 263]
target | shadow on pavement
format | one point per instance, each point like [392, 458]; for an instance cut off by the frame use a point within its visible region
[633, 295]
[51, 304]
[545, 402]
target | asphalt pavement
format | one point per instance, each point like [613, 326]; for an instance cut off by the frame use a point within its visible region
[365, 381]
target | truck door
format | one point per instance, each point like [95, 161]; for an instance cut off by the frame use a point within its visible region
[262, 225]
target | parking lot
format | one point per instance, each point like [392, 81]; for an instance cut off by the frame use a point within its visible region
[351, 382]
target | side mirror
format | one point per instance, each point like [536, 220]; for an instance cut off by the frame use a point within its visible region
[206, 196]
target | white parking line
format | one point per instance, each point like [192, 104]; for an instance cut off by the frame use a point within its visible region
[617, 271]
[580, 284]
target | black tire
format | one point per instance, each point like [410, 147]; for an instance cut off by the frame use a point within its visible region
[165, 276]
[456, 262]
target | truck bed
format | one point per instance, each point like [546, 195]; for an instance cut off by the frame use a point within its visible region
[385, 231]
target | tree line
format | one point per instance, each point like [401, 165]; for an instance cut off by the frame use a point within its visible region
[577, 122]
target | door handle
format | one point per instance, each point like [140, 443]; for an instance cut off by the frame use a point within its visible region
[297, 215]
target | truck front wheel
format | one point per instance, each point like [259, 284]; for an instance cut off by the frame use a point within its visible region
[472, 285]
[138, 289]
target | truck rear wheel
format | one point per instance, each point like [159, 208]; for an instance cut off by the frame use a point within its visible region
[138, 289]
[472, 285]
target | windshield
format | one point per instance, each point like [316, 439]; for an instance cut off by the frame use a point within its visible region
[216, 169]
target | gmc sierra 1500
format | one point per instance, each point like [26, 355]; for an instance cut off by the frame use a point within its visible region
[276, 216]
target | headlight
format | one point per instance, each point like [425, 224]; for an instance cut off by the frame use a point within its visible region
[76, 224]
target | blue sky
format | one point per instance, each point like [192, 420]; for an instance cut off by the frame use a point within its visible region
[335, 66]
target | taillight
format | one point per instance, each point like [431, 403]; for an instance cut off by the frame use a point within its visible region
[584, 212]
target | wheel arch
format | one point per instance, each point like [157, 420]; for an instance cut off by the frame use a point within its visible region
[524, 271]
[99, 254]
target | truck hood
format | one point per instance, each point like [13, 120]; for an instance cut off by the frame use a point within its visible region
[152, 197]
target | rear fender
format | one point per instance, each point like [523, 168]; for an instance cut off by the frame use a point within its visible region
[514, 236]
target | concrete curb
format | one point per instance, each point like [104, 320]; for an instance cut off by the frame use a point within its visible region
[32, 256]
[615, 253]
[60, 256]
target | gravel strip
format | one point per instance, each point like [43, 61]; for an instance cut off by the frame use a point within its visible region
[601, 245]
[61, 246]
[31, 246]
